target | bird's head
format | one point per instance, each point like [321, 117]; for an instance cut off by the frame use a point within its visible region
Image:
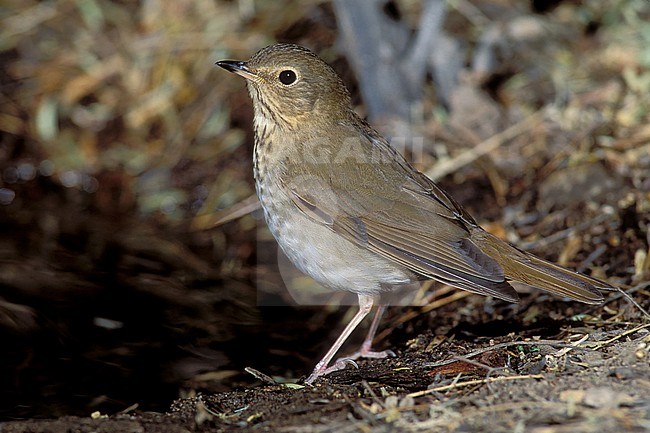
[290, 85]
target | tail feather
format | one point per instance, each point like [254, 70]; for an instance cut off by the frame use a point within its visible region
[531, 270]
[555, 279]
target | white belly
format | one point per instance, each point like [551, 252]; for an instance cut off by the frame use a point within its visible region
[328, 258]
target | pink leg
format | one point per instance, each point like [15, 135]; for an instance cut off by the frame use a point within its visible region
[366, 347]
[365, 305]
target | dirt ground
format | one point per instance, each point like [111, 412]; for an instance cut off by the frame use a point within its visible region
[141, 292]
[580, 374]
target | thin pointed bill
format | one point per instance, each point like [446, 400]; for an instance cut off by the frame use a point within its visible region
[239, 68]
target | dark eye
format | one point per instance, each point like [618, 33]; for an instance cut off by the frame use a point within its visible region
[287, 77]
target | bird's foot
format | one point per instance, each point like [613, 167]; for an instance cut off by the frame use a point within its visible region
[341, 363]
[323, 370]
[368, 353]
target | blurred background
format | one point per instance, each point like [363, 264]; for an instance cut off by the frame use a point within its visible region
[132, 252]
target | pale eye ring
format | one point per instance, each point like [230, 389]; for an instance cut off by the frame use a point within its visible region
[287, 77]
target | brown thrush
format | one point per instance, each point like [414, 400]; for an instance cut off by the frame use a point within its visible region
[352, 213]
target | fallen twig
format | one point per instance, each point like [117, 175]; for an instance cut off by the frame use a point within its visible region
[260, 376]
[555, 343]
[599, 344]
[474, 382]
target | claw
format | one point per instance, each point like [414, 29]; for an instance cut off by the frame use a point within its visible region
[343, 362]
[340, 364]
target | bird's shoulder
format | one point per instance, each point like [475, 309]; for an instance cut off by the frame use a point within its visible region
[366, 177]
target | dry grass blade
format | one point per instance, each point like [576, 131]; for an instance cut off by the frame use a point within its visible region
[446, 167]
[209, 221]
[412, 314]
[629, 298]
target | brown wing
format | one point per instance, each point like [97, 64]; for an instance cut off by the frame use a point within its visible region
[418, 232]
